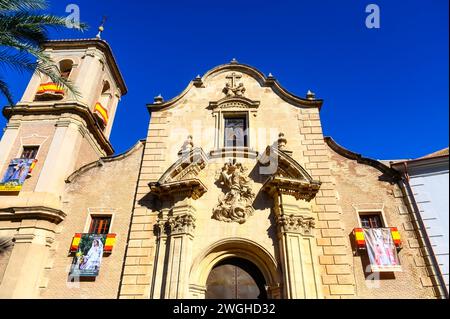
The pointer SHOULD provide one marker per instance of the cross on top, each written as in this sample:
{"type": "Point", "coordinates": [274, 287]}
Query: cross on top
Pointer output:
{"type": "Point", "coordinates": [233, 77]}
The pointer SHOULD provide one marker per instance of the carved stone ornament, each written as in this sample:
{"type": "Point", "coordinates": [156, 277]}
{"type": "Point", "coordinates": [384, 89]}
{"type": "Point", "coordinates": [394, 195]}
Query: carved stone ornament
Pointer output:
{"type": "Point", "coordinates": [182, 224]}
{"type": "Point", "coordinates": [236, 204]}
{"type": "Point", "coordinates": [232, 88]}
{"type": "Point", "coordinates": [296, 224]}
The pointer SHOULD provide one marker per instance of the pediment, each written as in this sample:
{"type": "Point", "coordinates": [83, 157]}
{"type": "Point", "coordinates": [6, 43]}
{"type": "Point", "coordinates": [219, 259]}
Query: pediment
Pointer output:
{"type": "Point", "coordinates": [186, 167]}
{"type": "Point", "coordinates": [183, 176]}
{"type": "Point", "coordinates": [286, 175]}
{"type": "Point", "coordinates": [234, 103]}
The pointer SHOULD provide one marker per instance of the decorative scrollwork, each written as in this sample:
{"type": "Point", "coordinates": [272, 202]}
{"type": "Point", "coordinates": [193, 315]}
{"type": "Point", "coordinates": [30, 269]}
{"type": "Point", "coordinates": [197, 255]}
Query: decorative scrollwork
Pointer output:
{"type": "Point", "coordinates": [236, 204]}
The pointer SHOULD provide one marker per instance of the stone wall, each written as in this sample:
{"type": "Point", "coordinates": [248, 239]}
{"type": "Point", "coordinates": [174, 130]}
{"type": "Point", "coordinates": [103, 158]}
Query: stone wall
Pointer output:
{"type": "Point", "coordinates": [108, 187]}
{"type": "Point", "coordinates": [360, 187]}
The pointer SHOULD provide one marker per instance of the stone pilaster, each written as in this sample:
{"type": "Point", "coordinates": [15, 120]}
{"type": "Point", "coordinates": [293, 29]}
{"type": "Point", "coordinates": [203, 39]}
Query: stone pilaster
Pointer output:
{"type": "Point", "coordinates": [295, 229]}
{"type": "Point", "coordinates": [179, 256]}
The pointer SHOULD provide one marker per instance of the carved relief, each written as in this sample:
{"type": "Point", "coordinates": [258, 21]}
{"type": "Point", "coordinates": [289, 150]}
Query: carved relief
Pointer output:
{"type": "Point", "coordinates": [296, 224]}
{"type": "Point", "coordinates": [232, 88]}
{"type": "Point", "coordinates": [182, 224]}
{"type": "Point", "coordinates": [236, 204]}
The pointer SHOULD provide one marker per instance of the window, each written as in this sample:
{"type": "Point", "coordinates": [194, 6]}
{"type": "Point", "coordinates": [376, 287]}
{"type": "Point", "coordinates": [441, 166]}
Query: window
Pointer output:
{"type": "Point", "coordinates": [100, 225]}
{"type": "Point", "coordinates": [29, 152]}
{"type": "Point", "coordinates": [235, 132]}
{"type": "Point", "coordinates": [371, 221]}
{"type": "Point", "coordinates": [65, 68]}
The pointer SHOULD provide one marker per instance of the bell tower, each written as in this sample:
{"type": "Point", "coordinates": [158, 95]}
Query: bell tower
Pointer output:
{"type": "Point", "coordinates": [50, 133]}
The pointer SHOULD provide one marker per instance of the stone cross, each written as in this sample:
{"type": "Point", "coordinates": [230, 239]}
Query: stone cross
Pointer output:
{"type": "Point", "coordinates": [233, 79]}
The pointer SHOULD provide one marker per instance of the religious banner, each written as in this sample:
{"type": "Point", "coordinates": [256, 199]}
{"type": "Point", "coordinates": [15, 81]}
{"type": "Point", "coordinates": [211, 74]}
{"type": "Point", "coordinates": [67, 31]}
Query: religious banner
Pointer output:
{"type": "Point", "coordinates": [381, 250]}
{"type": "Point", "coordinates": [88, 258]}
{"type": "Point", "coordinates": [18, 170]}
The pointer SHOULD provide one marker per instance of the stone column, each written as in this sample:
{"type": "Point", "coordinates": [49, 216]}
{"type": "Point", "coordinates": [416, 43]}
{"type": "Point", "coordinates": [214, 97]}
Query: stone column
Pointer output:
{"type": "Point", "coordinates": [182, 226]}
{"type": "Point", "coordinates": [297, 248]}
{"type": "Point", "coordinates": [162, 229]}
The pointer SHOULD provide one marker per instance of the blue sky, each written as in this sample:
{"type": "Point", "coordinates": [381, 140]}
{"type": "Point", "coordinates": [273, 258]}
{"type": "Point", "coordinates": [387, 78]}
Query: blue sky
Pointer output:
{"type": "Point", "coordinates": [385, 90]}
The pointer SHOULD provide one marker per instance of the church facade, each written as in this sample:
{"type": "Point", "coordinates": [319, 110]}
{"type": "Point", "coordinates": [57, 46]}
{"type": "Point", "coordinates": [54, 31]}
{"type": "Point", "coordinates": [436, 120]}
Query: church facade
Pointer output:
{"type": "Point", "coordinates": [234, 193]}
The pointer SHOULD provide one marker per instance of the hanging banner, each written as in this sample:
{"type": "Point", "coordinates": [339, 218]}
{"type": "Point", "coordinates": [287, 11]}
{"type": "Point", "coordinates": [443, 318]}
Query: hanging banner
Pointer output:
{"type": "Point", "coordinates": [16, 174]}
{"type": "Point", "coordinates": [381, 250]}
{"type": "Point", "coordinates": [88, 258]}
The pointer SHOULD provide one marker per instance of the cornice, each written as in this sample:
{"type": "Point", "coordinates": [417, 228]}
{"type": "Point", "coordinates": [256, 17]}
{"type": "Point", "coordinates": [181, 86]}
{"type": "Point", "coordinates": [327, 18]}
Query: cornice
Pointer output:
{"type": "Point", "coordinates": [192, 187]}
{"type": "Point", "coordinates": [391, 174]}
{"type": "Point", "coordinates": [264, 81]}
{"type": "Point", "coordinates": [104, 160]}
{"type": "Point", "coordinates": [34, 212]}
{"type": "Point", "coordinates": [97, 43]}
{"type": "Point", "coordinates": [60, 108]}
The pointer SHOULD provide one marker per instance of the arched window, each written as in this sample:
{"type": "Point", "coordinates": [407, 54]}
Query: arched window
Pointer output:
{"type": "Point", "coordinates": [65, 68]}
{"type": "Point", "coordinates": [48, 90]}
{"type": "Point", "coordinates": [102, 107]}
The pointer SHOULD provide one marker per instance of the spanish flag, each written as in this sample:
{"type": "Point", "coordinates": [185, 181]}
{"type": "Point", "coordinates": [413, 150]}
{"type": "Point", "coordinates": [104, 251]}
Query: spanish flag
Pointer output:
{"type": "Point", "coordinates": [102, 111]}
{"type": "Point", "coordinates": [359, 238]}
{"type": "Point", "coordinates": [50, 87]}
{"type": "Point", "coordinates": [396, 237]}
{"type": "Point", "coordinates": [75, 243]}
{"type": "Point", "coordinates": [109, 243]}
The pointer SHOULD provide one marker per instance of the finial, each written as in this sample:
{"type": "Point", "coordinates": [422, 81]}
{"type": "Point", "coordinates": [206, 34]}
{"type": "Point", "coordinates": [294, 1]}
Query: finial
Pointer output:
{"type": "Point", "coordinates": [270, 75]}
{"type": "Point", "coordinates": [187, 147]}
{"type": "Point", "coordinates": [234, 61]}
{"type": "Point", "coordinates": [282, 141]}
{"type": "Point", "coordinates": [101, 28]}
{"type": "Point", "coordinates": [198, 82]}
{"type": "Point", "coordinates": [158, 99]}
{"type": "Point", "coordinates": [310, 95]}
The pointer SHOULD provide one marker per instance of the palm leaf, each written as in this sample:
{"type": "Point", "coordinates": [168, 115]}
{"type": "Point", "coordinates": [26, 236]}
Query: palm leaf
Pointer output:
{"type": "Point", "coordinates": [26, 32]}
{"type": "Point", "coordinates": [6, 93]}
{"type": "Point", "coordinates": [22, 5]}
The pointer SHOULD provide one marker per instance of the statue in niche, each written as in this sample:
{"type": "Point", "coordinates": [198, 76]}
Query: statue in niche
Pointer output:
{"type": "Point", "coordinates": [236, 204]}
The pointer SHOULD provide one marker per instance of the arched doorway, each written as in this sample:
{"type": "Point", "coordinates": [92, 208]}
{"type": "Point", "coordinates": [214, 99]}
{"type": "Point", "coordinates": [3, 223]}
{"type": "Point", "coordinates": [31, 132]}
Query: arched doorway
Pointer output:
{"type": "Point", "coordinates": [235, 278]}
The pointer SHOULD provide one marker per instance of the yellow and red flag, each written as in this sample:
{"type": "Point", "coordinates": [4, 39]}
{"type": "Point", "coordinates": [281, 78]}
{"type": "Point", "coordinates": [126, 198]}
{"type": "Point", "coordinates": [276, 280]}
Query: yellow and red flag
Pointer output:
{"type": "Point", "coordinates": [109, 243]}
{"type": "Point", "coordinates": [75, 243]}
{"type": "Point", "coordinates": [102, 111]}
{"type": "Point", "coordinates": [50, 87]}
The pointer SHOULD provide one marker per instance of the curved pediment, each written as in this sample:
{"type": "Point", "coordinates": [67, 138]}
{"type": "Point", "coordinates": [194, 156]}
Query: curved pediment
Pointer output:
{"type": "Point", "coordinates": [286, 175]}
{"type": "Point", "coordinates": [234, 66]}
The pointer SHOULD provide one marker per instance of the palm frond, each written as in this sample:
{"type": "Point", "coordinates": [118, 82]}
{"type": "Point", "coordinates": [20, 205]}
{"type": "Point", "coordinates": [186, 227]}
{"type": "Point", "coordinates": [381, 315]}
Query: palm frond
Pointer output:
{"type": "Point", "coordinates": [22, 5]}
{"type": "Point", "coordinates": [19, 61]}
{"type": "Point", "coordinates": [52, 72]}
{"type": "Point", "coordinates": [4, 90]}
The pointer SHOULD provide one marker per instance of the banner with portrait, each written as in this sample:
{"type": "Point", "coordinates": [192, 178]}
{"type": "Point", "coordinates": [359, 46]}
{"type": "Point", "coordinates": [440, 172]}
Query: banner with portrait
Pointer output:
{"type": "Point", "coordinates": [88, 258]}
{"type": "Point", "coordinates": [381, 250]}
{"type": "Point", "coordinates": [16, 174]}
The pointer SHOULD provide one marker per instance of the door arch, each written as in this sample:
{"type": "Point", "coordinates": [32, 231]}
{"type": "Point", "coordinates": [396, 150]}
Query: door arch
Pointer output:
{"type": "Point", "coordinates": [222, 252]}
{"type": "Point", "coordinates": [235, 278]}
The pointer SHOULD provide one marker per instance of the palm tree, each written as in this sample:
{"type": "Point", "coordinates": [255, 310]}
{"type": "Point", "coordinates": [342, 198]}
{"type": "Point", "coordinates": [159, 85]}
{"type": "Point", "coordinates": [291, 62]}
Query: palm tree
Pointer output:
{"type": "Point", "coordinates": [22, 32]}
